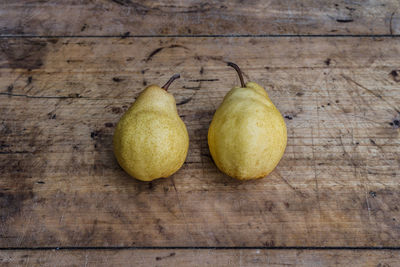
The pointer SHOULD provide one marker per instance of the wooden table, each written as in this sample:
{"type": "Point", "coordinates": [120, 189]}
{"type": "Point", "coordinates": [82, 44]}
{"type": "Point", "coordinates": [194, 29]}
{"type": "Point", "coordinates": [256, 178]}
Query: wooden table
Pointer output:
{"type": "Point", "coordinates": [70, 68]}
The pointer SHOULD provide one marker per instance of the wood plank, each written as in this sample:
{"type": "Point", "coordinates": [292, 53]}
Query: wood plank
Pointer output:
{"type": "Point", "coordinates": [172, 17]}
{"type": "Point", "coordinates": [337, 184]}
{"type": "Point", "coordinates": [203, 257]}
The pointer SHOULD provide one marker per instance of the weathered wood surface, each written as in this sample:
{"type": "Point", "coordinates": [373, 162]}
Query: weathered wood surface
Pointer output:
{"type": "Point", "coordinates": [203, 257]}
{"type": "Point", "coordinates": [172, 17]}
{"type": "Point", "coordinates": [337, 184]}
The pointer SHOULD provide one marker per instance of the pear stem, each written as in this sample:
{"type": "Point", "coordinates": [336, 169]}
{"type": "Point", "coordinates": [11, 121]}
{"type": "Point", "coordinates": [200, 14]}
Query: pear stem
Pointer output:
{"type": "Point", "coordinates": [173, 78]}
{"type": "Point", "coordinates": [239, 72]}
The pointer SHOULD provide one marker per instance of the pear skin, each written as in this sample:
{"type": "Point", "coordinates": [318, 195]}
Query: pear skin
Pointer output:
{"type": "Point", "coordinates": [247, 136]}
{"type": "Point", "coordinates": [150, 140]}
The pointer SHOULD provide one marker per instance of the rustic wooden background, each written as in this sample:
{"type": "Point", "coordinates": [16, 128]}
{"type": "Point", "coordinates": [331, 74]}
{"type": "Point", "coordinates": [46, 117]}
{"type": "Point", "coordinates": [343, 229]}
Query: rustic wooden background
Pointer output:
{"type": "Point", "coordinates": [69, 69]}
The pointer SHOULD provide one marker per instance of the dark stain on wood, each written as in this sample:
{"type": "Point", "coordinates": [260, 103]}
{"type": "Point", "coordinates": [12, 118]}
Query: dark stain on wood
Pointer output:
{"type": "Point", "coordinates": [395, 123]}
{"type": "Point", "coordinates": [351, 9]}
{"type": "Point", "coordinates": [74, 61]}
{"type": "Point", "coordinates": [327, 61]}
{"type": "Point", "coordinates": [288, 117]}
{"type": "Point", "coordinates": [10, 88]}
{"type": "Point", "coordinates": [270, 243]}
{"type": "Point", "coordinates": [160, 228]}
{"type": "Point", "coordinates": [116, 110]}
{"type": "Point", "coordinates": [11, 203]}
{"type": "Point", "coordinates": [269, 205]}
{"type": "Point", "coordinates": [52, 116]}
{"type": "Point", "coordinates": [94, 134]}
{"type": "Point", "coordinates": [122, 2]}
{"type": "Point", "coordinates": [109, 124]}
{"type": "Point", "coordinates": [395, 75]}
{"type": "Point", "coordinates": [204, 80]}
{"type": "Point", "coordinates": [53, 40]}
{"type": "Point", "coordinates": [172, 254]}
{"type": "Point", "coordinates": [344, 20]}
{"type": "Point", "coordinates": [184, 101]}
{"type": "Point", "coordinates": [158, 50]}
{"type": "Point", "coordinates": [23, 53]}
{"type": "Point", "coordinates": [125, 35]}
{"type": "Point", "coordinates": [83, 27]}
{"type": "Point", "coordinates": [20, 166]}
{"type": "Point", "coordinates": [74, 95]}
{"type": "Point", "coordinates": [153, 53]}
{"type": "Point", "coordinates": [3, 145]}
{"type": "Point", "coordinates": [117, 79]}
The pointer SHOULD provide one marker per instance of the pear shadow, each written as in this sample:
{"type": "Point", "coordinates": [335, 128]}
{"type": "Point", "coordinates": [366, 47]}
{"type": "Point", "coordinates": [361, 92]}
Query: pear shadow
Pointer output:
{"type": "Point", "coordinates": [227, 181]}
{"type": "Point", "coordinates": [131, 185]}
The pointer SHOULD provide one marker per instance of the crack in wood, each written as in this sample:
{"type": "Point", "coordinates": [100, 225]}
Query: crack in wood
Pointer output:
{"type": "Point", "coordinates": [72, 96]}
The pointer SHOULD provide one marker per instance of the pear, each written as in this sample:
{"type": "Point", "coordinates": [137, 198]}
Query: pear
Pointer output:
{"type": "Point", "coordinates": [247, 136]}
{"type": "Point", "coordinates": [151, 140]}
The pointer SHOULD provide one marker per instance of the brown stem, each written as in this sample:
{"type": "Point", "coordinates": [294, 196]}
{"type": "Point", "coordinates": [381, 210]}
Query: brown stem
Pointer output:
{"type": "Point", "coordinates": [173, 78]}
{"type": "Point", "coordinates": [236, 67]}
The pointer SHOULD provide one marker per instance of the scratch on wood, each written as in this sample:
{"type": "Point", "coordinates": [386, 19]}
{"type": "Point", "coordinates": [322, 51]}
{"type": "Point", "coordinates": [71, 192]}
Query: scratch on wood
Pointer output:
{"type": "Point", "coordinates": [368, 206]}
{"type": "Point", "coordinates": [315, 167]}
{"type": "Point", "coordinates": [290, 185]}
{"type": "Point", "coordinates": [181, 209]}
{"type": "Point", "coordinates": [86, 259]}
{"type": "Point", "coordinates": [349, 80]}
{"type": "Point", "coordinates": [139, 8]}
{"type": "Point", "coordinates": [350, 158]}
{"type": "Point", "coordinates": [390, 24]}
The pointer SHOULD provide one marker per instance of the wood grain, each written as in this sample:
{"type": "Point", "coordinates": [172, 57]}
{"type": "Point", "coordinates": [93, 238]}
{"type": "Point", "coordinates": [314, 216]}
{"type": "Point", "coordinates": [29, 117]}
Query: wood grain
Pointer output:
{"type": "Point", "coordinates": [337, 184]}
{"type": "Point", "coordinates": [206, 257]}
{"type": "Point", "coordinates": [172, 17]}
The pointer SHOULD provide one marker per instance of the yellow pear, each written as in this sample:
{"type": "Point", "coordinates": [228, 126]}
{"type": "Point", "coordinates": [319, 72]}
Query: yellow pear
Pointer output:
{"type": "Point", "coordinates": [151, 140]}
{"type": "Point", "coordinates": [247, 136]}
